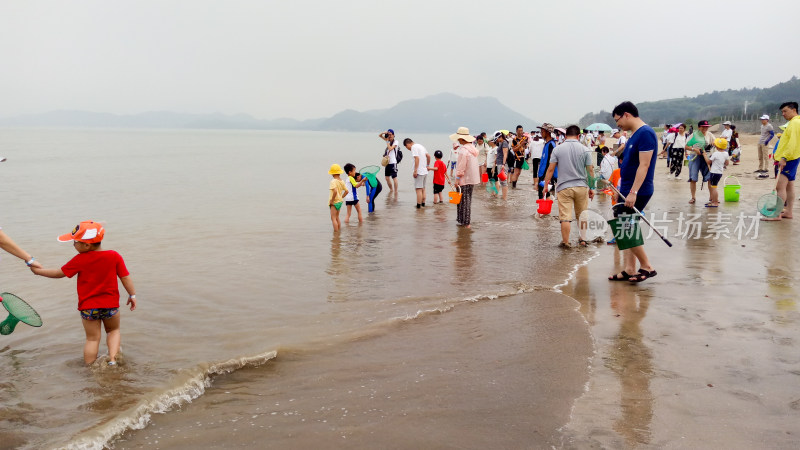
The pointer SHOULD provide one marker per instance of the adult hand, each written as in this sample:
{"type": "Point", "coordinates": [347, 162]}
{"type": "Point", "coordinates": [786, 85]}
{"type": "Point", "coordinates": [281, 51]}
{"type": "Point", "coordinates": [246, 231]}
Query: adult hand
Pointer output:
{"type": "Point", "coordinates": [591, 194]}
{"type": "Point", "coordinates": [630, 200]}
{"type": "Point", "coordinates": [36, 264]}
{"type": "Point", "coordinates": [415, 174]}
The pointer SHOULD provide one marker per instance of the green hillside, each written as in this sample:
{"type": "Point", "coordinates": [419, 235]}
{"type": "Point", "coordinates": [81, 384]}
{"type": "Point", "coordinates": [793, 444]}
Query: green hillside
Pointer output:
{"type": "Point", "coordinates": [712, 106]}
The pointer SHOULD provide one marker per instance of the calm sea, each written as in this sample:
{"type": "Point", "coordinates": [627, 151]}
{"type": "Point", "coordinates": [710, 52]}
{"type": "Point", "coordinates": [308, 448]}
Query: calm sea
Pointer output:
{"type": "Point", "coordinates": [228, 240]}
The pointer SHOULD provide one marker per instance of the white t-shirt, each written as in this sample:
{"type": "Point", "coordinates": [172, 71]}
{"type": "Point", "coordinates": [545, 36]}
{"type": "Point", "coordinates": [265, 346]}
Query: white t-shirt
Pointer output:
{"type": "Point", "coordinates": [393, 153]}
{"type": "Point", "coordinates": [491, 156]}
{"type": "Point", "coordinates": [718, 159]}
{"type": "Point", "coordinates": [536, 149]}
{"type": "Point", "coordinates": [679, 141]}
{"type": "Point", "coordinates": [419, 151]}
{"type": "Point", "coordinates": [607, 166]}
{"type": "Point", "coordinates": [622, 140]}
{"type": "Point", "coordinates": [726, 134]}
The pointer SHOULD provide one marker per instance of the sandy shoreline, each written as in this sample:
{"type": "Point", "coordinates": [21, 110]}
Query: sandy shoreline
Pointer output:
{"type": "Point", "coordinates": [702, 356]}
{"type": "Point", "coordinates": [705, 355]}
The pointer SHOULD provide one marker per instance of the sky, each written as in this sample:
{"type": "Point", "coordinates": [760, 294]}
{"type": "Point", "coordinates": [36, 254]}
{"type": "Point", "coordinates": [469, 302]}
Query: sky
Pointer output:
{"type": "Point", "coordinates": [552, 61]}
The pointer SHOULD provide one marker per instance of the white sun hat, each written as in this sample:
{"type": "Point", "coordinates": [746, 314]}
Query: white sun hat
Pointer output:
{"type": "Point", "coordinates": [462, 133]}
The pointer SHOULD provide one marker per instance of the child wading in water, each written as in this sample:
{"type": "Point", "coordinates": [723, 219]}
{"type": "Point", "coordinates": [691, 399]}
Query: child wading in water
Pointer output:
{"type": "Point", "coordinates": [717, 162]}
{"type": "Point", "coordinates": [98, 293]}
{"type": "Point", "coordinates": [356, 181]}
{"type": "Point", "coordinates": [439, 173]}
{"type": "Point", "coordinates": [335, 197]}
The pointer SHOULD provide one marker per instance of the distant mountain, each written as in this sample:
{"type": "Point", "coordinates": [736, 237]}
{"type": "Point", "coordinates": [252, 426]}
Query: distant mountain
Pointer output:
{"type": "Point", "coordinates": [436, 113]}
{"type": "Point", "coordinates": [154, 119]}
{"type": "Point", "coordinates": [712, 106]}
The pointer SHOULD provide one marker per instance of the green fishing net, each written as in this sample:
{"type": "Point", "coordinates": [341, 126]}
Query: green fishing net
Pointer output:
{"type": "Point", "coordinates": [18, 311]}
{"type": "Point", "coordinates": [370, 172]}
{"type": "Point", "coordinates": [770, 205]}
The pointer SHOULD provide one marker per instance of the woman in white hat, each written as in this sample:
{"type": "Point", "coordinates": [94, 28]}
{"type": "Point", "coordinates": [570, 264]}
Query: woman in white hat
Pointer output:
{"type": "Point", "coordinates": [467, 173]}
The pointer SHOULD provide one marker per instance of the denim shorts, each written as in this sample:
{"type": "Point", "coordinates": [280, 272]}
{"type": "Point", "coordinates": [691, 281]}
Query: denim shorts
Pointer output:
{"type": "Point", "coordinates": [698, 166]}
{"type": "Point", "coordinates": [98, 313]}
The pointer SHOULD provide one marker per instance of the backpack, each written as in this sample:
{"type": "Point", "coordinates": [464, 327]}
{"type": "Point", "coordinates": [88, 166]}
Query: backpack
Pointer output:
{"type": "Point", "coordinates": [398, 155]}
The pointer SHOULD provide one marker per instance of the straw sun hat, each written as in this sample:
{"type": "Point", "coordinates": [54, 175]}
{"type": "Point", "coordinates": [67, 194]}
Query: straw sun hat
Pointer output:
{"type": "Point", "coordinates": [462, 133]}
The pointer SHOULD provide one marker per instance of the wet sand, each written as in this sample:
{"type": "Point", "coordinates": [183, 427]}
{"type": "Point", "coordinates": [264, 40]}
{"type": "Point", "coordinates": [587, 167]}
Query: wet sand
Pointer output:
{"type": "Point", "coordinates": [704, 355]}
{"type": "Point", "coordinates": [491, 374]}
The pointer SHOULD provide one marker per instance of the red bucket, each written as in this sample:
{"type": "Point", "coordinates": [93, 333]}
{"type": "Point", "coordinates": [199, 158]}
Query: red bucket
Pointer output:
{"type": "Point", "coordinates": [545, 205]}
{"type": "Point", "coordinates": [502, 176]}
{"type": "Point", "coordinates": [484, 177]}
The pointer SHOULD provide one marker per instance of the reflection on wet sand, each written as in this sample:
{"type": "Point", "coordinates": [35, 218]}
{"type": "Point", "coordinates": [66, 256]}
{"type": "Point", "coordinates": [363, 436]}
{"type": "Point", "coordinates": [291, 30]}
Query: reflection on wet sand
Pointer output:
{"type": "Point", "coordinates": [631, 360]}
{"type": "Point", "coordinates": [464, 258]}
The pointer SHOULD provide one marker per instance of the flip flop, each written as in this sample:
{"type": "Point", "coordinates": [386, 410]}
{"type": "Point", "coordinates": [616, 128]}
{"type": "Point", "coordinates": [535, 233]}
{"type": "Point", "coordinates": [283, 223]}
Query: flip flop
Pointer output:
{"type": "Point", "coordinates": [583, 243]}
{"type": "Point", "coordinates": [625, 277]}
{"type": "Point", "coordinates": [642, 275]}
{"type": "Point", "coordinates": [709, 205]}
{"type": "Point", "coordinates": [564, 245]}
{"type": "Point", "coordinates": [692, 201]}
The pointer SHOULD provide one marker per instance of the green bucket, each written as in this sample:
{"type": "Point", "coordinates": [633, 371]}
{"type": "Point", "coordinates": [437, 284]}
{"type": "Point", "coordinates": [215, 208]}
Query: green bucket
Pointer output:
{"type": "Point", "coordinates": [731, 190]}
{"type": "Point", "coordinates": [626, 231]}
{"type": "Point", "coordinates": [525, 165]}
{"type": "Point", "coordinates": [591, 181]}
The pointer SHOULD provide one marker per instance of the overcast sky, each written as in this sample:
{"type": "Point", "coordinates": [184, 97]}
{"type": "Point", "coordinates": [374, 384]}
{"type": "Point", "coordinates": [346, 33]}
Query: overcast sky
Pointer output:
{"type": "Point", "coordinates": [550, 60]}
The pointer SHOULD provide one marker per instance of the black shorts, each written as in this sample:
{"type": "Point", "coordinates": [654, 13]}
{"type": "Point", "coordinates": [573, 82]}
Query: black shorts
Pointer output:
{"type": "Point", "coordinates": [640, 203]}
{"type": "Point", "coordinates": [490, 173]}
{"type": "Point", "coordinates": [391, 170]}
{"type": "Point", "coordinates": [351, 202]}
{"type": "Point", "coordinates": [437, 188]}
{"type": "Point", "coordinates": [713, 179]}
{"type": "Point", "coordinates": [518, 163]}
{"type": "Point", "coordinates": [535, 167]}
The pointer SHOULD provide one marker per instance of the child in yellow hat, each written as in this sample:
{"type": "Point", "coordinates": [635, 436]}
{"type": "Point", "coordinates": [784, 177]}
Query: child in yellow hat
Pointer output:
{"type": "Point", "coordinates": [98, 294]}
{"type": "Point", "coordinates": [717, 162]}
{"type": "Point", "coordinates": [336, 196]}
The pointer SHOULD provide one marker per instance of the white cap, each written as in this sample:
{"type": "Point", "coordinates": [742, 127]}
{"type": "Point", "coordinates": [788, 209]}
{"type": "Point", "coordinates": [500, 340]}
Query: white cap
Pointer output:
{"type": "Point", "coordinates": [727, 122]}
{"type": "Point", "coordinates": [765, 117]}
{"type": "Point", "coordinates": [614, 131]}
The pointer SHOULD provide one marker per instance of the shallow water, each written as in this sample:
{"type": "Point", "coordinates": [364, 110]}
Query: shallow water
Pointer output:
{"type": "Point", "coordinates": [228, 239]}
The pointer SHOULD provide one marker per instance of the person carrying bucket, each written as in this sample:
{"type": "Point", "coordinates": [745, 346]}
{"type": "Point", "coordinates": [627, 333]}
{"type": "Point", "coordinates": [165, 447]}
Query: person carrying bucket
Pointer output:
{"type": "Point", "coordinates": [637, 170]}
{"type": "Point", "coordinates": [572, 191]}
{"type": "Point", "coordinates": [547, 131]}
{"type": "Point", "coordinates": [467, 173]}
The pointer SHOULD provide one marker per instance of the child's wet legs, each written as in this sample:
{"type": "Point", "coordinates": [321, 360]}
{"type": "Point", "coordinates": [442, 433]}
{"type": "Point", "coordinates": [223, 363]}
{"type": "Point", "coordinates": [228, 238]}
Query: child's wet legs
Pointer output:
{"type": "Point", "coordinates": [113, 336]}
{"type": "Point", "coordinates": [92, 345]}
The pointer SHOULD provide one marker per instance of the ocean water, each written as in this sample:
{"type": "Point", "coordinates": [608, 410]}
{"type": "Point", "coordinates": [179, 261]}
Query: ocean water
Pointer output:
{"type": "Point", "coordinates": [243, 285]}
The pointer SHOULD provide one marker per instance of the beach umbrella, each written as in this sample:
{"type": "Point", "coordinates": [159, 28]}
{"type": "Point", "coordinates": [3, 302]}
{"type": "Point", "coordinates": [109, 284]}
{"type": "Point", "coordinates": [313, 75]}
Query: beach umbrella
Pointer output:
{"type": "Point", "coordinates": [598, 127]}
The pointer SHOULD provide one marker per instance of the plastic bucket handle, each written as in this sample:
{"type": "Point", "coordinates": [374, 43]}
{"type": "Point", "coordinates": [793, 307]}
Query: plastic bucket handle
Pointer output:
{"type": "Point", "coordinates": [725, 183]}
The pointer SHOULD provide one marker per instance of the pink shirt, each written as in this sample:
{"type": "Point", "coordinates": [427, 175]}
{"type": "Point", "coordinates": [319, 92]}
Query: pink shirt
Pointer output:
{"type": "Point", "coordinates": [467, 165]}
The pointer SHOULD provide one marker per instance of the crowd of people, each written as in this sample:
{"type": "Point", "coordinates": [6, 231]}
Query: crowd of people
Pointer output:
{"type": "Point", "coordinates": [560, 160]}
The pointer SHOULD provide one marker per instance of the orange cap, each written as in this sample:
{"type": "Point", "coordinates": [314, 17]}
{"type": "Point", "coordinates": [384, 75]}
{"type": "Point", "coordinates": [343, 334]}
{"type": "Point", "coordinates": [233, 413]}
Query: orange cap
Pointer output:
{"type": "Point", "coordinates": [87, 231]}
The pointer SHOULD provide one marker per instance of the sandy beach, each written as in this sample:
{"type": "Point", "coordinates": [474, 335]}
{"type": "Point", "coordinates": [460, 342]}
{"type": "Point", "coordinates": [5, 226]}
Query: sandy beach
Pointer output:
{"type": "Point", "coordinates": [705, 355]}
{"type": "Point", "coordinates": [447, 338]}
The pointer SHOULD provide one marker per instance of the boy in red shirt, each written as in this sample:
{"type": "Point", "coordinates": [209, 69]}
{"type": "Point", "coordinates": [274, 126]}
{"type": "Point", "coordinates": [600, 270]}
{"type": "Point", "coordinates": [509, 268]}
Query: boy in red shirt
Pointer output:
{"type": "Point", "coordinates": [439, 172]}
{"type": "Point", "coordinates": [98, 294]}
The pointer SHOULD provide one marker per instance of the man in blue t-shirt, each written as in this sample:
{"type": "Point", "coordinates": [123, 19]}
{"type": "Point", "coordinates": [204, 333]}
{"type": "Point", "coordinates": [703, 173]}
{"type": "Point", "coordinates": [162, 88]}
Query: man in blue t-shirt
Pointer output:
{"type": "Point", "coordinates": [547, 131]}
{"type": "Point", "coordinates": [636, 182]}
